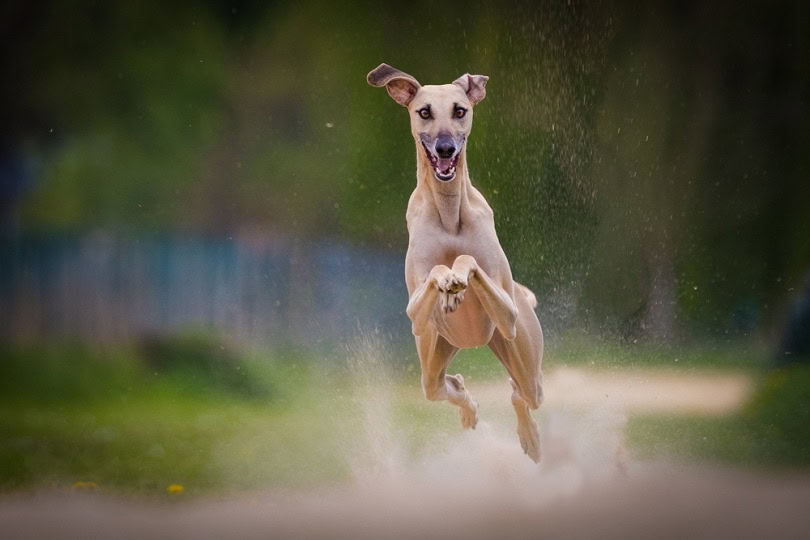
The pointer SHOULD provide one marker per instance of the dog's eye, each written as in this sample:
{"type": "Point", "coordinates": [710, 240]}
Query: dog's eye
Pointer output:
{"type": "Point", "coordinates": [460, 112]}
{"type": "Point", "coordinates": [424, 113]}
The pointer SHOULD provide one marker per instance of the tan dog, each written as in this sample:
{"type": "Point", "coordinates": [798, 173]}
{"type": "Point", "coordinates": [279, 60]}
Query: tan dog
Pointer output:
{"type": "Point", "coordinates": [459, 281]}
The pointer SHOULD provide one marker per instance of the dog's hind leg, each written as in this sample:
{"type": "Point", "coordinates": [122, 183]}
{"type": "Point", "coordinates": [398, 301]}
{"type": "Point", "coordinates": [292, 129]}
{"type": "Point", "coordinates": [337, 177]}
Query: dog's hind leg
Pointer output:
{"type": "Point", "coordinates": [522, 359]}
{"type": "Point", "coordinates": [527, 428]}
{"type": "Point", "coordinates": [527, 292]}
{"type": "Point", "coordinates": [435, 355]}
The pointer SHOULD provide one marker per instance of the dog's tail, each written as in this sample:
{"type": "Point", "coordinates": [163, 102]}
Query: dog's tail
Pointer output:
{"type": "Point", "coordinates": [527, 293]}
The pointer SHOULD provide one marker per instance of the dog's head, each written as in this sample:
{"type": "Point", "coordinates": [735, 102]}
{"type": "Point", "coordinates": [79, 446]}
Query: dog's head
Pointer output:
{"type": "Point", "coordinates": [441, 115]}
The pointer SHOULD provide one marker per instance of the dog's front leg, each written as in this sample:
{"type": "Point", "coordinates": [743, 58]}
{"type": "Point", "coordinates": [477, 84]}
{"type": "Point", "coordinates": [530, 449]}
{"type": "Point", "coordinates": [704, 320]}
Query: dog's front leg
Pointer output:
{"type": "Point", "coordinates": [422, 302]}
{"type": "Point", "coordinates": [498, 304]}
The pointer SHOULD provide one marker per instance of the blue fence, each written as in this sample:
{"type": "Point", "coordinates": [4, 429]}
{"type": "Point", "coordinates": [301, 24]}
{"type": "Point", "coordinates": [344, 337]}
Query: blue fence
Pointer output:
{"type": "Point", "coordinates": [252, 288]}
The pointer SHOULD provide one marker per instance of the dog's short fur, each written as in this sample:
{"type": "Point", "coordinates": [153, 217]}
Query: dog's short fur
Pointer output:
{"type": "Point", "coordinates": [461, 290]}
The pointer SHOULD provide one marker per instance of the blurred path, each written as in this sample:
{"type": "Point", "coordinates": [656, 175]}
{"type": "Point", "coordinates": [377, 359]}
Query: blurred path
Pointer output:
{"type": "Point", "coordinates": [667, 503]}
{"type": "Point", "coordinates": [633, 390]}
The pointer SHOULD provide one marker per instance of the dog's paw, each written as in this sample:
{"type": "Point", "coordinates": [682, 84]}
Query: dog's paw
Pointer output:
{"type": "Point", "coordinates": [451, 286]}
{"type": "Point", "coordinates": [450, 302]}
{"type": "Point", "coordinates": [469, 415]}
{"type": "Point", "coordinates": [452, 283]}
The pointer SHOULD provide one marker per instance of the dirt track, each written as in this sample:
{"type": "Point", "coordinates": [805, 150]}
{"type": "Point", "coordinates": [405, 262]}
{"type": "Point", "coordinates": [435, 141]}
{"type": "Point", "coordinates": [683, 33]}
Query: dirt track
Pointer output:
{"type": "Point", "coordinates": [636, 391]}
{"type": "Point", "coordinates": [666, 503]}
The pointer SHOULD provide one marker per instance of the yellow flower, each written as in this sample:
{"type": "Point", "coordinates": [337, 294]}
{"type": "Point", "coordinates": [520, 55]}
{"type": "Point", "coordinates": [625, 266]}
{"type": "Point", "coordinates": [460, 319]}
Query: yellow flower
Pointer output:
{"type": "Point", "coordinates": [174, 489]}
{"type": "Point", "coordinates": [84, 485]}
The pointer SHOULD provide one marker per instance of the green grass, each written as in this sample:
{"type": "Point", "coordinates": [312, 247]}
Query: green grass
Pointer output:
{"type": "Point", "coordinates": [732, 440]}
{"type": "Point", "coordinates": [143, 443]}
{"type": "Point", "coordinates": [143, 446]}
{"type": "Point", "coordinates": [137, 419]}
{"type": "Point", "coordinates": [133, 422]}
{"type": "Point", "coordinates": [772, 430]}
{"type": "Point", "coordinates": [689, 438]}
{"type": "Point", "coordinates": [578, 349]}
{"type": "Point", "coordinates": [195, 412]}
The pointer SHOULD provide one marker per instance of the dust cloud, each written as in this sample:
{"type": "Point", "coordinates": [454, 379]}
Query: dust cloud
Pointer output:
{"type": "Point", "coordinates": [579, 447]}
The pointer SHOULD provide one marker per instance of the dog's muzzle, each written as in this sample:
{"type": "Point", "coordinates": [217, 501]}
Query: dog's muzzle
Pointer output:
{"type": "Point", "coordinates": [443, 154]}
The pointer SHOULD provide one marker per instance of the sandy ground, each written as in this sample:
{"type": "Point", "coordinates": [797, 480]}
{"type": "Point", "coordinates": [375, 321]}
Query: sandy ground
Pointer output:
{"type": "Point", "coordinates": [635, 391]}
{"type": "Point", "coordinates": [478, 484]}
{"type": "Point", "coordinates": [675, 503]}
{"type": "Point", "coordinates": [667, 502]}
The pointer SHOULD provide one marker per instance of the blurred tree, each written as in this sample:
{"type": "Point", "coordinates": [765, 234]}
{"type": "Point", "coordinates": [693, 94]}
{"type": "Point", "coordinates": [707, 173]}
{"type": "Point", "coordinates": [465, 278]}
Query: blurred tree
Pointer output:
{"type": "Point", "coordinates": [646, 164]}
{"type": "Point", "coordinates": [700, 142]}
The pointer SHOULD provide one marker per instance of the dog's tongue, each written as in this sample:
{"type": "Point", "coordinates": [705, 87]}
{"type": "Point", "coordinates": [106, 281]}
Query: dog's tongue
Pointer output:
{"type": "Point", "coordinates": [445, 164]}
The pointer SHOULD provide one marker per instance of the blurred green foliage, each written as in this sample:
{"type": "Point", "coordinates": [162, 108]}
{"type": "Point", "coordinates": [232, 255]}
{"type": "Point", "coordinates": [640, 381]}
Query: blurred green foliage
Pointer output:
{"type": "Point", "coordinates": [199, 362]}
{"type": "Point", "coordinates": [191, 364]}
{"type": "Point", "coordinates": [646, 164]}
{"type": "Point", "coordinates": [56, 373]}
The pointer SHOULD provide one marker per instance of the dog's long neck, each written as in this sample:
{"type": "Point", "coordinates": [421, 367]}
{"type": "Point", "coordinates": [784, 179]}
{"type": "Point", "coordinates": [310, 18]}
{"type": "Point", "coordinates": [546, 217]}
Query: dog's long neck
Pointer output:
{"type": "Point", "coordinates": [450, 199]}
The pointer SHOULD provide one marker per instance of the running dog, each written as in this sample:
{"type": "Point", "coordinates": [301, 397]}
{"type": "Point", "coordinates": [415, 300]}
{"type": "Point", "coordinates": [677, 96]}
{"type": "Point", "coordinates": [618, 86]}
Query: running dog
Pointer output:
{"type": "Point", "coordinates": [460, 287]}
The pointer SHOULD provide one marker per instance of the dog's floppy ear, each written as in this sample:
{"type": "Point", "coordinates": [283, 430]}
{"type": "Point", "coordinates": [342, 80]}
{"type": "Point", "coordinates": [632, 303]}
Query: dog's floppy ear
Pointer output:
{"type": "Point", "coordinates": [401, 86]}
{"type": "Point", "coordinates": [475, 86]}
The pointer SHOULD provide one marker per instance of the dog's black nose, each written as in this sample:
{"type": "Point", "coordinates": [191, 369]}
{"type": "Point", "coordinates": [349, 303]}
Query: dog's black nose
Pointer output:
{"type": "Point", "coordinates": [445, 148]}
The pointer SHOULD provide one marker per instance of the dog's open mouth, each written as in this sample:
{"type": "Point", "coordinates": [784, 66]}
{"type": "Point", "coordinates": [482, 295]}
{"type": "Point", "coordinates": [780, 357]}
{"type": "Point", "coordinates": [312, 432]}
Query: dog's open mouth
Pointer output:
{"type": "Point", "coordinates": [443, 168]}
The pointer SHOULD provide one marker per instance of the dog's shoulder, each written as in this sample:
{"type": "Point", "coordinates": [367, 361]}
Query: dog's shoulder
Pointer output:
{"type": "Point", "coordinates": [480, 204]}
{"type": "Point", "coordinates": [419, 208]}
{"type": "Point", "coordinates": [415, 207]}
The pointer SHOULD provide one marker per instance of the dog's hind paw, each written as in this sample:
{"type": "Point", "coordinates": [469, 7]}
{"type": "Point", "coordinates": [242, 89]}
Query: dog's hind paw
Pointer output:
{"type": "Point", "coordinates": [467, 408]}
{"type": "Point", "coordinates": [469, 415]}
{"type": "Point", "coordinates": [529, 439]}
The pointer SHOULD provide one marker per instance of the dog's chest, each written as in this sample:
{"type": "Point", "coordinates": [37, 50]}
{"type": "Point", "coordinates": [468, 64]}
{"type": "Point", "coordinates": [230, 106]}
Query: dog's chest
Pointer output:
{"type": "Point", "coordinates": [480, 242]}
